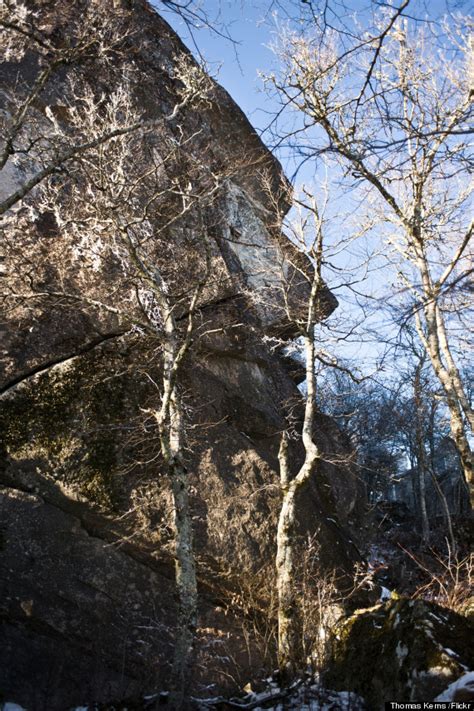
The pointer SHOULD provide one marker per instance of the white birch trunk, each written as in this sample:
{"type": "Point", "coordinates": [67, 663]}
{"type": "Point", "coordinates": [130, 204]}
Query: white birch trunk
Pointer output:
{"type": "Point", "coordinates": [436, 343]}
{"type": "Point", "coordinates": [287, 603]}
{"type": "Point", "coordinates": [289, 646]}
{"type": "Point", "coordinates": [186, 585]}
{"type": "Point", "coordinates": [172, 439]}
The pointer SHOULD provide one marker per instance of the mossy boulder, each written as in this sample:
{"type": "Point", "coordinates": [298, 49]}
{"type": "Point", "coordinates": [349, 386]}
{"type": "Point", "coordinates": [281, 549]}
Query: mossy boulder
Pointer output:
{"type": "Point", "coordinates": [403, 650]}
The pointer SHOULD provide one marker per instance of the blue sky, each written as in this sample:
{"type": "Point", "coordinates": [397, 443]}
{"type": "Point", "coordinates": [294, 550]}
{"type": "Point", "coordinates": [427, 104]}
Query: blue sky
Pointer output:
{"type": "Point", "coordinates": [236, 65]}
{"type": "Point", "coordinates": [252, 24]}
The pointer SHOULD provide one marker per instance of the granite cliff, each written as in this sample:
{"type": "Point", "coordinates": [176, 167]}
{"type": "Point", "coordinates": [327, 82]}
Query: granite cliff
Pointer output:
{"type": "Point", "coordinates": [87, 592]}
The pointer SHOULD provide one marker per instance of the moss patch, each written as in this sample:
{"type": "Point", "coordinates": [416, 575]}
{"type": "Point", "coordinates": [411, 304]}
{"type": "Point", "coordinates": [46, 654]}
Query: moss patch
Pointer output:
{"type": "Point", "coordinates": [67, 418]}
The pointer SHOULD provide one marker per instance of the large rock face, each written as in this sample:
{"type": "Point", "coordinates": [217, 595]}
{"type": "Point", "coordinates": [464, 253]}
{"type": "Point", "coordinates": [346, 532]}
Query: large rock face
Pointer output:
{"type": "Point", "coordinates": [87, 595]}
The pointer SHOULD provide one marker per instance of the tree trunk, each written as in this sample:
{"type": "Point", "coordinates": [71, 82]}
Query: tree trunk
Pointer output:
{"type": "Point", "coordinates": [454, 396]}
{"type": "Point", "coordinates": [186, 584]}
{"type": "Point", "coordinates": [421, 487]}
{"type": "Point", "coordinates": [452, 369]}
{"type": "Point", "coordinates": [462, 445]}
{"type": "Point", "coordinates": [446, 511]}
{"type": "Point", "coordinates": [289, 647]}
{"type": "Point", "coordinates": [288, 622]}
{"type": "Point", "coordinates": [436, 484]}
{"type": "Point", "coordinates": [172, 439]}
{"type": "Point", "coordinates": [421, 454]}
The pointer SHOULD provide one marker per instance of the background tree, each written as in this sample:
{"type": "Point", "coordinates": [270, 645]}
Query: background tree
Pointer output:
{"type": "Point", "coordinates": [366, 411]}
{"type": "Point", "coordinates": [400, 431]}
{"type": "Point", "coordinates": [390, 105]}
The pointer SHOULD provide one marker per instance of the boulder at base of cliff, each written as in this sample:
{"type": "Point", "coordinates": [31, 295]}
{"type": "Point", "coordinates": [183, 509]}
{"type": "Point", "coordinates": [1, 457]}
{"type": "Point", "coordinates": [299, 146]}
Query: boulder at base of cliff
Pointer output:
{"type": "Point", "coordinates": [403, 650]}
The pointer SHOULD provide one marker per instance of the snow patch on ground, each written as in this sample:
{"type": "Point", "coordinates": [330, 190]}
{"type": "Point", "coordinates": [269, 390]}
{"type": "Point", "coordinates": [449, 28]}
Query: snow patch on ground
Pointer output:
{"type": "Point", "coordinates": [465, 682]}
{"type": "Point", "coordinates": [301, 697]}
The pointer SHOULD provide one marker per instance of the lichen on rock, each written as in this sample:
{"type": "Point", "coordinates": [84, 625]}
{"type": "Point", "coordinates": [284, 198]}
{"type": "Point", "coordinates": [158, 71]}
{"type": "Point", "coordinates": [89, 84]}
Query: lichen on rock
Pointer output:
{"type": "Point", "coordinates": [404, 649]}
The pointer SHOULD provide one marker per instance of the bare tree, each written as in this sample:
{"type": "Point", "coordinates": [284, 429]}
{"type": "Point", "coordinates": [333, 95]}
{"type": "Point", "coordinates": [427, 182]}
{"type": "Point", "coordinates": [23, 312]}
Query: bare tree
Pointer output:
{"type": "Point", "coordinates": [425, 466]}
{"type": "Point", "coordinates": [306, 301]}
{"type": "Point", "coordinates": [390, 104]}
{"type": "Point", "coordinates": [288, 642]}
{"type": "Point", "coordinates": [119, 210]}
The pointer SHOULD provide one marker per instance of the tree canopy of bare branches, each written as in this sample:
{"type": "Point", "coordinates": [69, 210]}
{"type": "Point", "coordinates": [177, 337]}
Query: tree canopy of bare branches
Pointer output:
{"type": "Point", "coordinates": [387, 102]}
